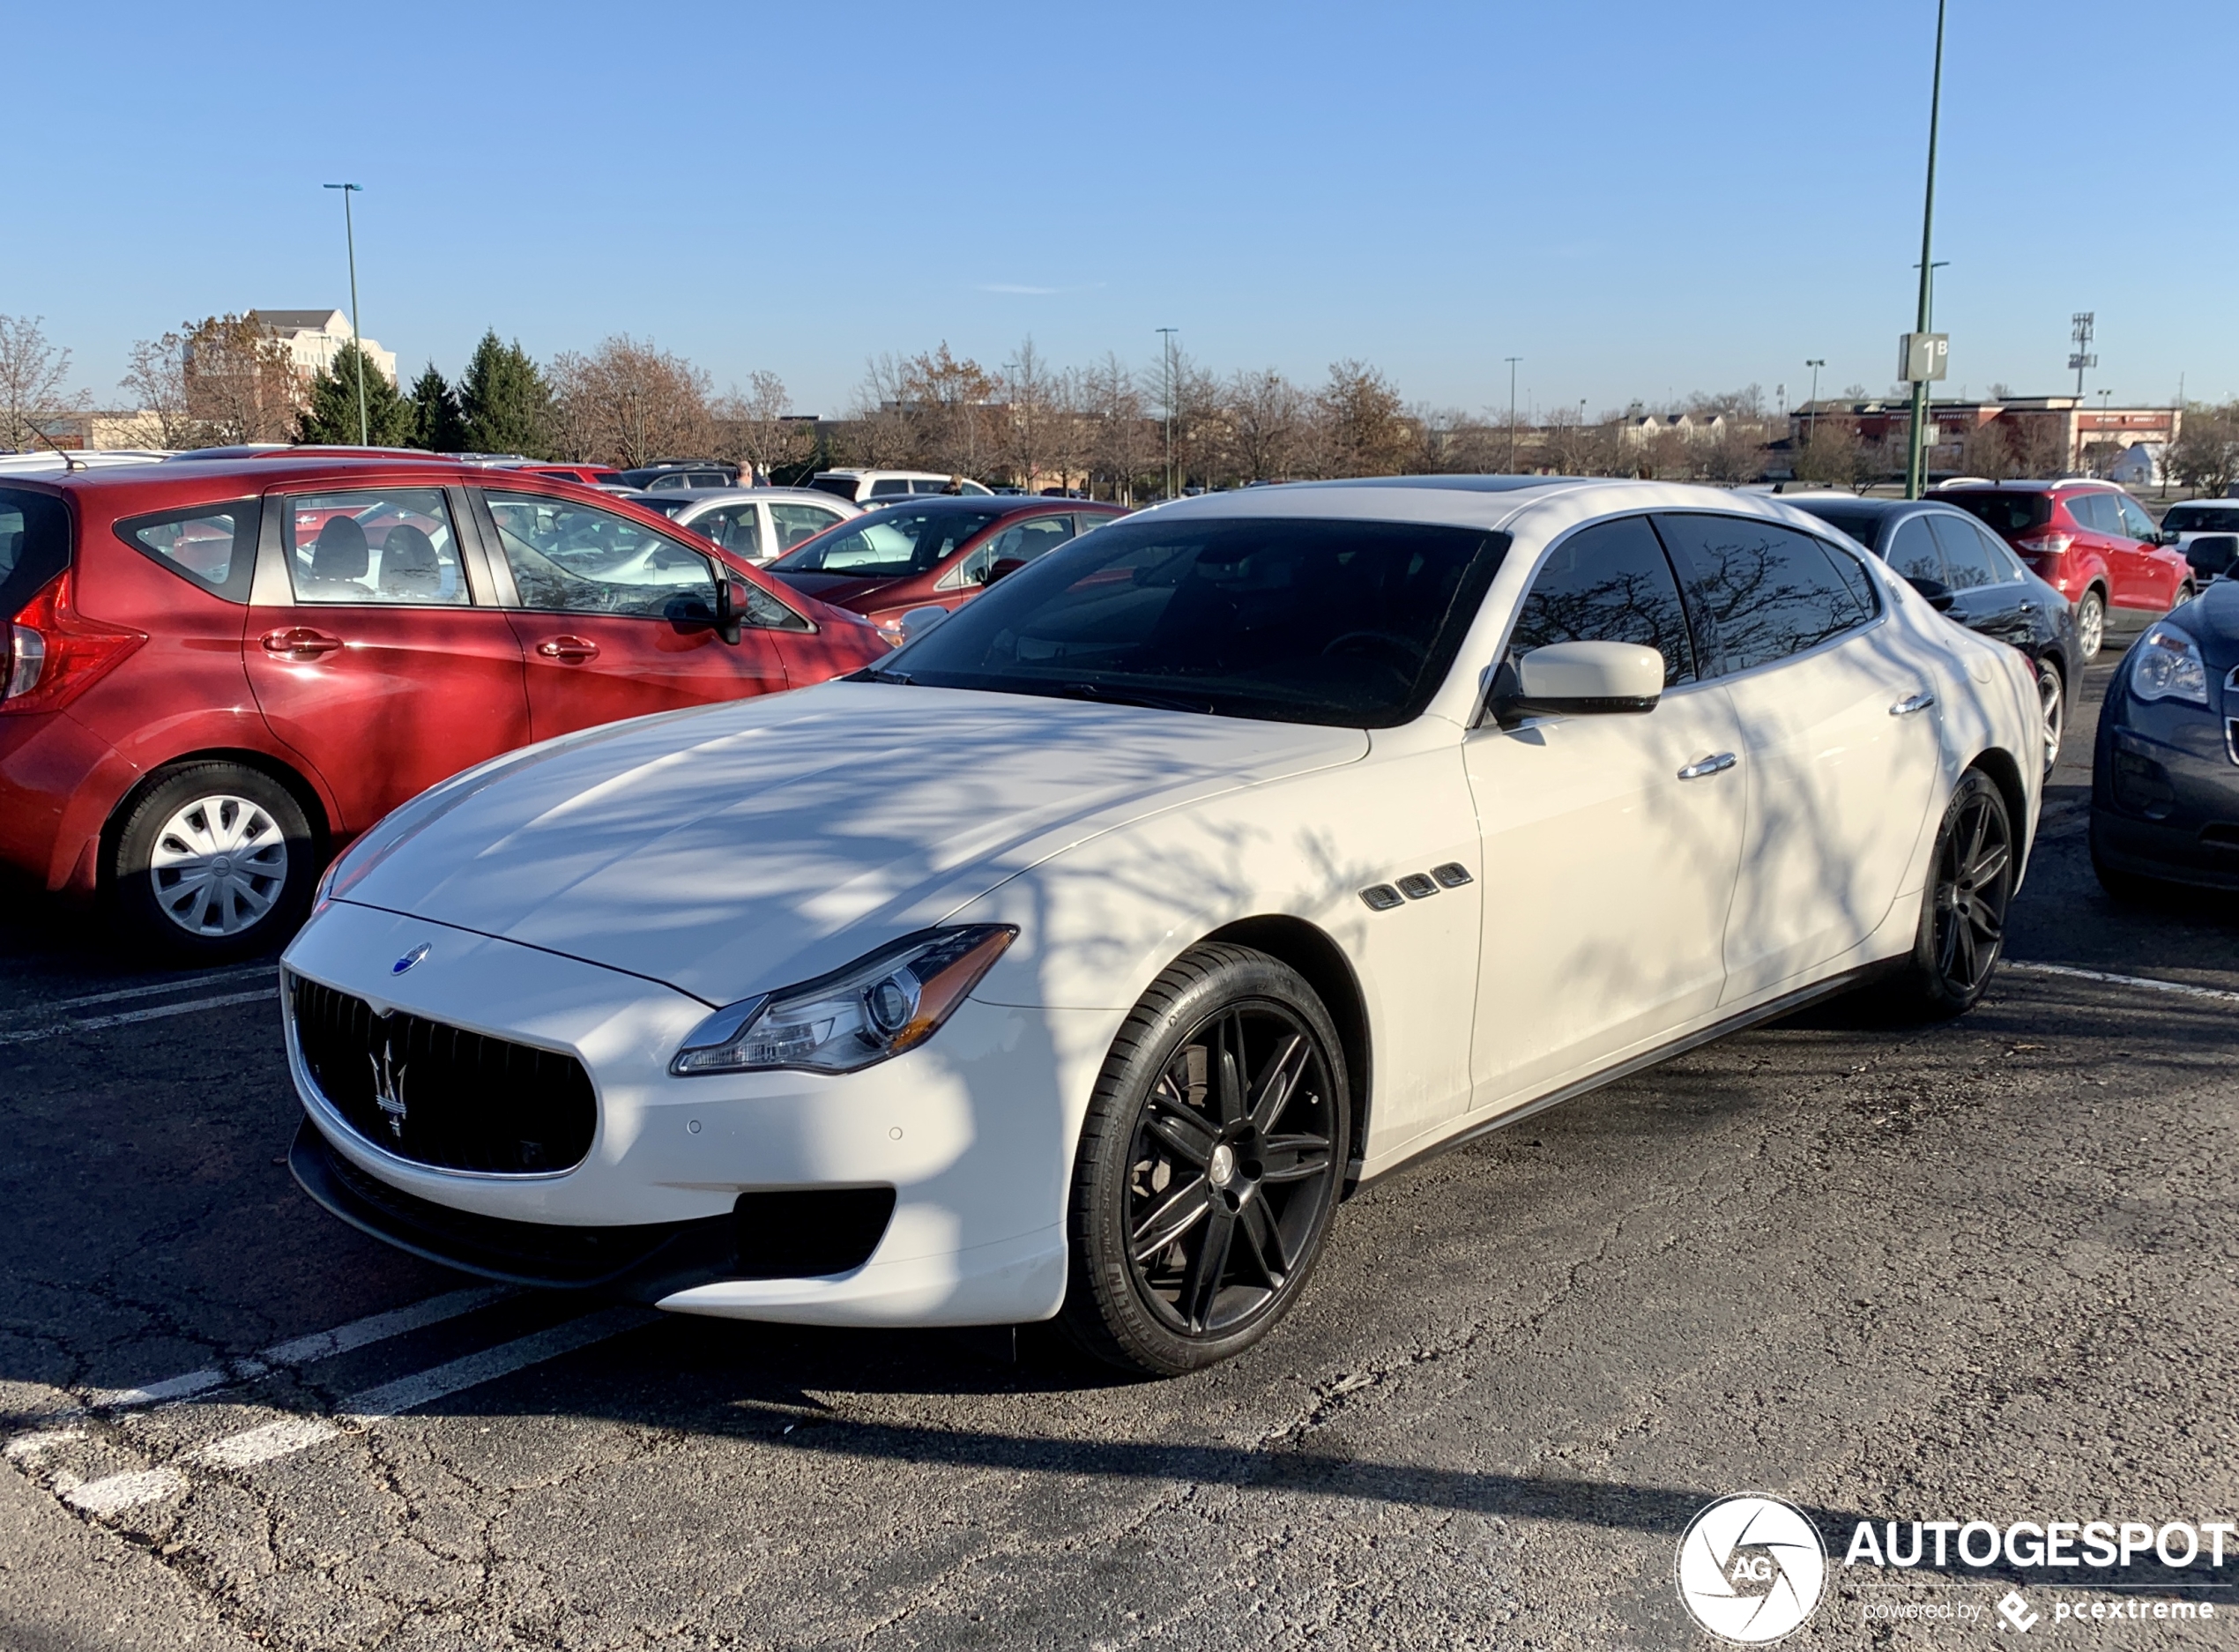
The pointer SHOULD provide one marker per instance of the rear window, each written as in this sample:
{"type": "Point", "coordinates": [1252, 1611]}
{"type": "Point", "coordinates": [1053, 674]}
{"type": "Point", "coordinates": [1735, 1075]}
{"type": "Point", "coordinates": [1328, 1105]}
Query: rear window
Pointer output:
{"type": "Point", "coordinates": [35, 544]}
{"type": "Point", "coordinates": [839, 487]}
{"type": "Point", "coordinates": [1858, 524]}
{"type": "Point", "coordinates": [2005, 513]}
{"type": "Point", "coordinates": [212, 545]}
{"type": "Point", "coordinates": [2202, 518]}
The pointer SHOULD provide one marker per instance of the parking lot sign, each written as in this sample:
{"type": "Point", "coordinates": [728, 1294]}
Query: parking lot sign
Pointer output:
{"type": "Point", "coordinates": [1922, 356]}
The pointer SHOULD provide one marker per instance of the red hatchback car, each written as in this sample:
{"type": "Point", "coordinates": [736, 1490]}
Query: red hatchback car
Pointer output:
{"type": "Point", "coordinates": [931, 552]}
{"type": "Point", "coordinates": [2091, 542]}
{"type": "Point", "coordinates": [216, 672]}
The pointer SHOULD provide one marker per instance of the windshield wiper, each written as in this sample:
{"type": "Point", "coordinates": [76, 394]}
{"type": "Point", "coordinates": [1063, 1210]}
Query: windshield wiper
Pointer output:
{"type": "Point", "coordinates": [1125, 696]}
{"type": "Point", "coordinates": [879, 674]}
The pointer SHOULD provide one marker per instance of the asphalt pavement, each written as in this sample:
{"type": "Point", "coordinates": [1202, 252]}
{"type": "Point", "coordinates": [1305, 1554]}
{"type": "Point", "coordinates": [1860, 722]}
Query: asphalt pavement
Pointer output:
{"type": "Point", "coordinates": [1888, 1272]}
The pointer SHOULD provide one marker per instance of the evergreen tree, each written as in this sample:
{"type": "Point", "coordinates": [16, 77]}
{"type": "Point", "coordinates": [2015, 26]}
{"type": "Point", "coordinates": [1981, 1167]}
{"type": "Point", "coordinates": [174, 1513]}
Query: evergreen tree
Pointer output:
{"type": "Point", "coordinates": [505, 402]}
{"type": "Point", "coordinates": [331, 416]}
{"type": "Point", "coordinates": [435, 421]}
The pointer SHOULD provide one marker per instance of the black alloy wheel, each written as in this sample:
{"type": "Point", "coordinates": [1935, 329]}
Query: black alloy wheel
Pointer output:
{"type": "Point", "coordinates": [1210, 1165]}
{"type": "Point", "coordinates": [1962, 925]}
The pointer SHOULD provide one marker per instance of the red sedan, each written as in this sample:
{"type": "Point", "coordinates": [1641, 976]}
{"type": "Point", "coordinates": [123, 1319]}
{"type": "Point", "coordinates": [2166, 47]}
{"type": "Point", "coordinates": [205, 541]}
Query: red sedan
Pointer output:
{"type": "Point", "coordinates": [219, 672]}
{"type": "Point", "coordinates": [932, 552]}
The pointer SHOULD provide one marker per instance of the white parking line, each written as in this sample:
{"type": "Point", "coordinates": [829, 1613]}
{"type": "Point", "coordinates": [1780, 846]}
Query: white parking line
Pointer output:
{"type": "Point", "coordinates": [92, 1022]}
{"type": "Point", "coordinates": [2183, 989]}
{"type": "Point", "coordinates": [183, 983]}
{"type": "Point", "coordinates": [303, 1350]}
{"type": "Point", "coordinates": [287, 1435]}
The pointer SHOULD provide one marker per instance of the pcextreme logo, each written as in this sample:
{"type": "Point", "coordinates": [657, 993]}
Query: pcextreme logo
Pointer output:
{"type": "Point", "coordinates": [1750, 1568]}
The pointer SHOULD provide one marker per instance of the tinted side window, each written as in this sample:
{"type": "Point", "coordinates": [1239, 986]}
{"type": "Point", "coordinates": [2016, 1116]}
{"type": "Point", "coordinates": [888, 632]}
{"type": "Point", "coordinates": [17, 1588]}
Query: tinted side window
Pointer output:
{"type": "Point", "coordinates": [1610, 582]}
{"type": "Point", "coordinates": [1913, 553]}
{"type": "Point", "coordinates": [1771, 591]}
{"type": "Point", "coordinates": [2136, 522]}
{"type": "Point", "coordinates": [2095, 511]}
{"type": "Point", "coordinates": [1965, 554]}
{"type": "Point", "coordinates": [796, 523]}
{"type": "Point", "coordinates": [214, 545]}
{"type": "Point", "coordinates": [35, 544]}
{"type": "Point", "coordinates": [736, 528]}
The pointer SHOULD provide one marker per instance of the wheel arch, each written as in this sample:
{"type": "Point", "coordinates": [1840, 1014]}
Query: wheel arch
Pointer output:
{"type": "Point", "coordinates": [2005, 773]}
{"type": "Point", "coordinates": [298, 785]}
{"type": "Point", "coordinates": [1323, 961]}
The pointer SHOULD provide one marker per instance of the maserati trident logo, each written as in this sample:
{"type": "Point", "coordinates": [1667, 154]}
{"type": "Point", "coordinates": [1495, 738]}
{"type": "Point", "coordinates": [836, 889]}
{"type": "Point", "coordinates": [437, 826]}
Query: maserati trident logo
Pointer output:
{"type": "Point", "coordinates": [389, 1087]}
{"type": "Point", "coordinates": [409, 959]}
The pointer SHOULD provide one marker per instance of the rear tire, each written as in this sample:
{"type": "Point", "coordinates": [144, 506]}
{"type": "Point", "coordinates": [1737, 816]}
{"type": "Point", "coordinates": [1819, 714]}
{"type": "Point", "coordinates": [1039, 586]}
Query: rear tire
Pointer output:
{"type": "Point", "coordinates": [2091, 623]}
{"type": "Point", "coordinates": [1962, 916]}
{"type": "Point", "coordinates": [1210, 1165]}
{"type": "Point", "coordinates": [215, 861]}
{"type": "Point", "coordinates": [2052, 703]}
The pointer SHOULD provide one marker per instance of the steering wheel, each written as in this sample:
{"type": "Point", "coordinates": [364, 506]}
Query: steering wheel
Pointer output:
{"type": "Point", "coordinates": [1412, 652]}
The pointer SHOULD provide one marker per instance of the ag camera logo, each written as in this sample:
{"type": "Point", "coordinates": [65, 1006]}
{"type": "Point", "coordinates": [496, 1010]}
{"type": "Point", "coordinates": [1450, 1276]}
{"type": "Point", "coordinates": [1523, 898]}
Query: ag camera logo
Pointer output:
{"type": "Point", "coordinates": [1750, 1568]}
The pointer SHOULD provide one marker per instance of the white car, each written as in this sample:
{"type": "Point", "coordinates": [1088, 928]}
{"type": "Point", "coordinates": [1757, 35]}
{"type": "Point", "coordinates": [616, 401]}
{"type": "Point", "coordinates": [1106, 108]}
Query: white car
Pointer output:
{"type": "Point", "coordinates": [865, 488]}
{"type": "Point", "coordinates": [2189, 518]}
{"type": "Point", "coordinates": [758, 524]}
{"type": "Point", "coordinates": [1081, 956]}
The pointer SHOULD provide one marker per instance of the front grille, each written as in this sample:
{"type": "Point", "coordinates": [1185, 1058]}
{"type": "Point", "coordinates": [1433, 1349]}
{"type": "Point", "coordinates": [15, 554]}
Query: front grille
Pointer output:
{"type": "Point", "coordinates": [441, 1096]}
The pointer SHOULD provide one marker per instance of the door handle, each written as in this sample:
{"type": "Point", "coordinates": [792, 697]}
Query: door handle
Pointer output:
{"type": "Point", "coordinates": [1717, 762]}
{"type": "Point", "coordinates": [301, 641]}
{"type": "Point", "coordinates": [1911, 703]}
{"type": "Point", "coordinates": [571, 650]}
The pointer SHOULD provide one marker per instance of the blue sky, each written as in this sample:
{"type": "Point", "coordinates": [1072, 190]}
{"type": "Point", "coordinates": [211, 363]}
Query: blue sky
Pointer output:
{"type": "Point", "coordinates": [1639, 199]}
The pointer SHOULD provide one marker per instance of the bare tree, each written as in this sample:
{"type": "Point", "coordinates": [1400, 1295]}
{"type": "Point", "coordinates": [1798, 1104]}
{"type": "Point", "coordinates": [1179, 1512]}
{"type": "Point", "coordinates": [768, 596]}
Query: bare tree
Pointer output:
{"type": "Point", "coordinates": [33, 378]}
{"type": "Point", "coordinates": [880, 432]}
{"type": "Point", "coordinates": [1734, 453]}
{"type": "Point", "coordinates": [1027, 391]}
{"type": "Point", "coordinates": [241, 385]}
{"type": "Point", "coordinates": [1987, 450]}
{"type": "Point", "coordinates": [1358, 422]}
{"type": "Point", "coordinates": [1122, 439]}
{"type": "Point", "coordinates": [2205, 457]}
{"type": "Point", "coordinates": [155, 377]}
{"type": "Point", "coordinates": [1832, 454]}
{"type": "Point", "coordinates": [754, 429]}
{"type": "Point", "coordinates": [1267, 422]}
{"type": "Point", "coordinates": [947, 399]}
{"type": "Point", "coordinates": [631, 403]}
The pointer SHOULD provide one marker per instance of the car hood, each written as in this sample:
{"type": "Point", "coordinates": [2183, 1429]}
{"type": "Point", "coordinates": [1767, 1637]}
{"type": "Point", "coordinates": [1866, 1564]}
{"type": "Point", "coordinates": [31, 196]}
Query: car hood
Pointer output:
{"type": "Point", "coordinates": [734, 848]}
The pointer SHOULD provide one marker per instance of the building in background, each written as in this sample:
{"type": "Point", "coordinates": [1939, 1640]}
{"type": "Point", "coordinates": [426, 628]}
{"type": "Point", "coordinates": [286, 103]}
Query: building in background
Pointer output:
{"type": "Point", "coordinates": [2017, 436]}
{"type": "Point", "coordinates": [80, 432]}
{"type": "Point", "coordinates": [314, 337]}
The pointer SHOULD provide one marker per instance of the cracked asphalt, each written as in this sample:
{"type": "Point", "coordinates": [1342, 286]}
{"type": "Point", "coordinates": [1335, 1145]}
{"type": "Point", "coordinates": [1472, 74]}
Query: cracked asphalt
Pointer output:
{"type": "Point", "coordinates": [1978, 1270]}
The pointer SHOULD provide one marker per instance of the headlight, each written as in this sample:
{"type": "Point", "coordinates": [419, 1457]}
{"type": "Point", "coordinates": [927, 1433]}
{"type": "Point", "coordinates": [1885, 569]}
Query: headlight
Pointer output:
{"type": "Point", "coordinates": [2168, 667]}
{"type": "Point", "coordinates": [875, 1008]}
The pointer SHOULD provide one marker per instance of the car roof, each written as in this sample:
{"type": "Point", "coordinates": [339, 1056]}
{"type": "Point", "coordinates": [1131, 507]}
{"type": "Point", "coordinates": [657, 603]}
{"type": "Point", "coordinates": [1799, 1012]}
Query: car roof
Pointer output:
{"type": "Point", "coordinates": [1497, 503]}
{"type": "Point", "coordinates": [695, 496]}
{"type": "Point", "coordinates": [1000, 503]}
{"type": "Point", "coordinates": [1864, 506]}
{"type": "Point", "coordinates": [2020, 485]}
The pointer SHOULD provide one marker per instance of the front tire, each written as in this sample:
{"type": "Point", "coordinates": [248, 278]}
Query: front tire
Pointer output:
{"type": "Point", "coordinates": [215, 861]}
{"type": "Point", "coordinates": [1210, 1164]}
{"type": "Point", "coordinates": [2091, 623]}
{"type": "Point", "coordinates": [1962, 918]}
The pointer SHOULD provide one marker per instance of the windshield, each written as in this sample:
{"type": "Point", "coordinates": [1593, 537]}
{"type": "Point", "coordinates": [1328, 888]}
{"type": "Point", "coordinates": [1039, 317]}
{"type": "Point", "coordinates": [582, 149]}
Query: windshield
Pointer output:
{"type": "Point", "coordinates": [2006, 513]}
{"type": "Point", "coordinates": [2202, 518]}
{"type": "Point", "coordinates": [1351, 624]}
{"type": "Point", "coordinates": [891, 544]}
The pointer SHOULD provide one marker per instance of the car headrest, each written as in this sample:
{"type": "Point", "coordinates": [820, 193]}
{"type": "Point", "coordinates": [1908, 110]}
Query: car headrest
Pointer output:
{"type": "Point", "coordinates": [339, 552]}
{"type": "Point", "coordinates": [409, 567]}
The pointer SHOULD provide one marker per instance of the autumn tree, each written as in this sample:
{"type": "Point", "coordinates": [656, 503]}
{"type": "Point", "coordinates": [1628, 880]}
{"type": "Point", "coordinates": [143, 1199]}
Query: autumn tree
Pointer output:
{"type": "Point", "coordinates": [34, 379]}
{"type": "Point", "coordinates": [946, 401]}
{"type": "Point", "coordinates": [1359, 423]}
{"type": "Point", "coordinates": [330, 413]}
{"type": "Point", "coordinates": [155, 378]}
{"type": "Point", "coordinates": [631, 403]}
{"type": "Point", "coordinates": [1267, 425]}
{"type": "Point", "coordinates": [880, 434]}
{"type": "Point", "coordinates": [241, 382]}
{"type": "Point", "coordinates": [1028, 394]}
{"type": "Point", "coordinates": [505, 403]}
{"type": "Point", "coordinates": [2204, 458]}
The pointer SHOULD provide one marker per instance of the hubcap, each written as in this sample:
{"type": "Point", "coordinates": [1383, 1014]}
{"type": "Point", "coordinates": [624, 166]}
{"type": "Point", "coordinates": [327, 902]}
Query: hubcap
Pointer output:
{"type": "Point", "coordinates": [218, 865]}
{"type": "Point", "coordinates": [1973, 880]}
{"type": "Point", "coordinates": [1231, 1170]}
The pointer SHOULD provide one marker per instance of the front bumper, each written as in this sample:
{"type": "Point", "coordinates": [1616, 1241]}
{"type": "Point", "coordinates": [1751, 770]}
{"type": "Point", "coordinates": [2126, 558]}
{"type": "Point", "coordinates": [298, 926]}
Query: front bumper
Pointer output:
{"type": "Point", "coordinates": [2167, 807]}
{"type": "Point", "coordinates": [969, 1140]}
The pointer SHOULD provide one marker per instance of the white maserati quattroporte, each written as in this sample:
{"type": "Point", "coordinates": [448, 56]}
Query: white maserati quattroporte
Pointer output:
{"type": "Point", "coordinates": [1080, 958]}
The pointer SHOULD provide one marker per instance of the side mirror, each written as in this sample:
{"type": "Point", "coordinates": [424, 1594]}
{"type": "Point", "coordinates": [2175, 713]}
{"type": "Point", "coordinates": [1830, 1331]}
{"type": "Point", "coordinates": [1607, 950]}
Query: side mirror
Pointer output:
{"type": "Point", "coordinates": [1002, 567]}
{"type": "Point", "coordinates": [1577, 680]}
{"type": "Point", "coordinates": [728, 622]}
{"type": "Point", "coordinates": [916, 623]}
{"type": "Point", "coordinates": [2213, 555]}
{"type": "Point", "coordinates": [1940, 596]}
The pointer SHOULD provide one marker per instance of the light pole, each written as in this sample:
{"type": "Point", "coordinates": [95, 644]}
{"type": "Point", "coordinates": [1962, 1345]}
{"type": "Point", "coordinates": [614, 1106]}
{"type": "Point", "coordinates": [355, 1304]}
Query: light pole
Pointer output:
{"type": "Point", "coordinates": [1166, 360]}
{"type": "Point", "coordinates": [1916, 435]}
{"type": "Point", "coordinates": [1811, 407]}
{"type": "Point", "coordinates": [357, 338]}
{"type": "Point", "coordinates": [1512, 361]}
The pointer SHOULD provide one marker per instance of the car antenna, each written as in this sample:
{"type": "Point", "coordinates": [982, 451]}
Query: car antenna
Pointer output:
{"type": "Point", "coordinates": [71, 461]}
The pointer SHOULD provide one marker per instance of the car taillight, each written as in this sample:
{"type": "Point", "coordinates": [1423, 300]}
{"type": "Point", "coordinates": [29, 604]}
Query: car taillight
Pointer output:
{"type": "Point", "coordinates": [56, 653]}
{"type": "Point", "coordinates": [2045, 544]}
